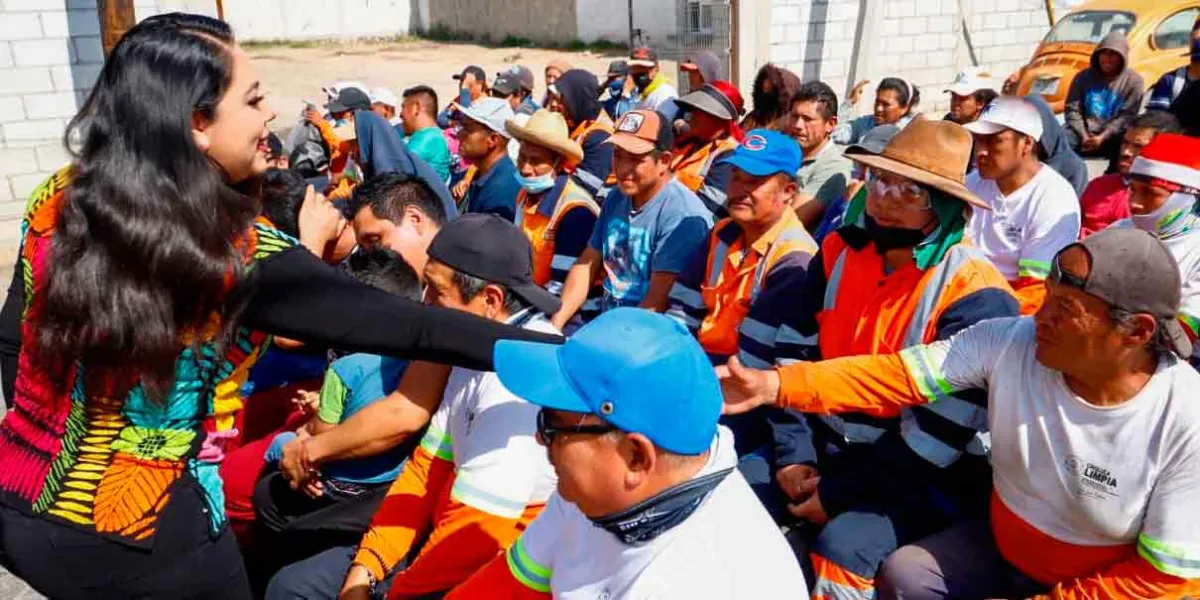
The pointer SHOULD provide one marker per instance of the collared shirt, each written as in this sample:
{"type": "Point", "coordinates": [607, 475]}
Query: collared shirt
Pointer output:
{"type": "Point", "coordinates": [495, 191]}
{"type": "Point", "coordinates": [825, 174]}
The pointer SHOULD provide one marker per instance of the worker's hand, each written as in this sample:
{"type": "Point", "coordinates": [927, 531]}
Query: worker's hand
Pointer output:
{"type": "Point", "coordinates": [319, 221]}
{"type": "Point", "coordinates": [746, 389]}
{"type": "Point", "coordinates": [856, 92]}
{"type": "Point", "coordinates": [357, 585]}
{"type": "Point", "coordinates": [313, 116]}
{"type": "Point", "coordinates": [810, 509]}
{"type": "Point", "coordinates": [307, 401]}
{"type": "Point", "coordinates": [560, 319]}
{"type": "Point", "coordinates": [791, 479]}
{"type": "Point", "coordinates": [291, 464]}
{"type": "Point", "coordinates": [1091, 142]}
{"type": "Point", "coordinates": [459, 190]}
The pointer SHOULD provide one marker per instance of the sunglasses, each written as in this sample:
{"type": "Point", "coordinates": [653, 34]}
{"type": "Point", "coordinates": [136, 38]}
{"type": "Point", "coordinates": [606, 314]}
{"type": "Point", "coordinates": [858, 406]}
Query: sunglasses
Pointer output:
{"type": "Point", "coordinates": [547, 432]}
{"type": "Point", "coordinates": [1058, 276]}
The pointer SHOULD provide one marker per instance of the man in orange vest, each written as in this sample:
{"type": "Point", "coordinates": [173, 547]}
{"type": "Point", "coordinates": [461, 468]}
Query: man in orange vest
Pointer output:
{"type": "Point", "coordinates": [897, 273]}
{"type": "Point", "coordinates": [706, 132]}
{"type": "Point", "coordinates": [576, 96]}
{"type": "Point", "coordinates": [554, 212]}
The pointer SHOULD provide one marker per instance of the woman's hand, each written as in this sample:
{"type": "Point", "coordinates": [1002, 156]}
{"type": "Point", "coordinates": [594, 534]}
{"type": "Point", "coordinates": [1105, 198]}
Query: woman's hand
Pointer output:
{"type": "Point", "coordinates": [320, 221]}
{"type": "Point", "coordinates": [856, 93]}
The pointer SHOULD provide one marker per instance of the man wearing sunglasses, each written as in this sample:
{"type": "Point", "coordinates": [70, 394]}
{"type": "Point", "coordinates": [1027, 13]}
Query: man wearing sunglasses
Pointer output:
{"type": "Point", "coordinates": [1094, 425]}
{"type": "Point", "coordinates": [649, 502]}
{"type": "Point", "coordinates": [1034, 210]}
{"type": "Point", "coordinates": [1163, 199]}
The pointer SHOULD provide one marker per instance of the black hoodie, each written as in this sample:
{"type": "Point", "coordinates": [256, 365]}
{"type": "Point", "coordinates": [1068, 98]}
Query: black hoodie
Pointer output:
{"type": "Point", "coordinates": [1099, 105]}
{"type": "Point", "coordinates": [580, 91]}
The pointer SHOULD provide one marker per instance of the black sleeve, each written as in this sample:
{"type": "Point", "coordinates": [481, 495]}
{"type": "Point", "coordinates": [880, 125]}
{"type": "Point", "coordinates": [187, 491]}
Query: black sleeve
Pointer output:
{"type": "Point", "coordinates": [294, 294]}
{"type": "Point", "coordinates": [10, 333]}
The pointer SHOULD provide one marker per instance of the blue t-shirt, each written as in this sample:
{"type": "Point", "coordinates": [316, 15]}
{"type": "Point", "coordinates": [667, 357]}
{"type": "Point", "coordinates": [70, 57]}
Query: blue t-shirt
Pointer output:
{"type": "Point", "coordinates": [353, 383]}
{"type": "Point", "coordinates": [496, 191]}
{"type": "Point", "coordinates": [659, 238]}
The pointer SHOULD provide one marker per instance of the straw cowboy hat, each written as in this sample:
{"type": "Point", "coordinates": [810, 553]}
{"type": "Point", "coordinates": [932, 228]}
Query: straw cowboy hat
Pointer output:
{"type": "Point", "coordinates": [548, 129]}
{"type": "Point", "coordinates": [932, 153]}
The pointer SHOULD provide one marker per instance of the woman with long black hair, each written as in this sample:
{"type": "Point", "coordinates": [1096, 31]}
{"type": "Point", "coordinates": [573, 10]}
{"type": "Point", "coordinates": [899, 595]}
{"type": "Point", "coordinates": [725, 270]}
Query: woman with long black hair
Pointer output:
{"type": "Point", "coordinates": [146, 279]}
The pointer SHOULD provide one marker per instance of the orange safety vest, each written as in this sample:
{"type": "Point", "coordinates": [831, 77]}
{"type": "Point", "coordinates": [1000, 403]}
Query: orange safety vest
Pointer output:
{"type": "Point", "coordinates": [734, 278]}
{"type": "Point", "coordinates": [691, 168]}
{"type": "Point", "coordinates": [865, 315]}
{"type": "Point", "coordinates": [540, 225]}
{"type": "Point", "coordinates": [583, 130]}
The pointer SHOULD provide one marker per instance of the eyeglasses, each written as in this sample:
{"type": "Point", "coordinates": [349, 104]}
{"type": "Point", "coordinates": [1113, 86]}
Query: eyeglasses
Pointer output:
{"type": "Point", "coordinates": [1058, 276]}
{"type": "Point", "coordinates": [547, 432]}
{"type": "Point", "coordinates": [911, 195]}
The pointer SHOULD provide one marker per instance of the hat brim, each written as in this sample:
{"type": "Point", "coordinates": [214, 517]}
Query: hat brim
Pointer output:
{"type": "Point", "coordinates": [1178, 337]}
{"type": "Point", "coordinates": [465, 113]}
{"type": "Point", "coordinates": [631, 143]}
{"type": "Point", "coordinates": [706, 103]}
{"type": "Point", "coordinates": [921, 176]}
{"type": "Point", "coordinates": [564, 147]}
{"type": "Point", "coordinates": [985, 127]}
{"type": "Point", "coordinates": [754, 166]}
{"type": "Point", "coordinates": [538, 296]}
{"type": "Point", "coordinates": [689, 67]}
{"type": "Point", "coordinates": [533, 371]}
{"type": "Point", "coordinates": [642, 63]}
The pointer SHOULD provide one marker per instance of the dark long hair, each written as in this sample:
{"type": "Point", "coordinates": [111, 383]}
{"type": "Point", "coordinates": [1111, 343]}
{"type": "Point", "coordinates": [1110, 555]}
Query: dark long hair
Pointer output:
{"type": "Point", "coordinates": [146, 246]}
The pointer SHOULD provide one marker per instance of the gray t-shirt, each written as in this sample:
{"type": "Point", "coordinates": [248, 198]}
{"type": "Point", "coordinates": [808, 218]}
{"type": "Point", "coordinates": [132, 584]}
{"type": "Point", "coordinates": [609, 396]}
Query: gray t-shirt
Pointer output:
{"type": "Point", "coordinates": [826, 175]}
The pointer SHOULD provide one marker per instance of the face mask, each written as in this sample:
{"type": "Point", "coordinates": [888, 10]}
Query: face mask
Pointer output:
{"type": "Point", "coordinates": [536, 184]}
{"type": "Point", "coordinates": [1176, 216]}
{"type": "Point", "coordinates": [616, 87]}
{"type": "Point", "coordinates": [892, 238]}
{"type": "Point", "coordinates": [1195, 50]}
{"type": "Point", "coordinates": [642, 80]}
{"type": "Point", "coordinates": [659, 514]}
{"type": "Point", "coordinates": [339, 123]}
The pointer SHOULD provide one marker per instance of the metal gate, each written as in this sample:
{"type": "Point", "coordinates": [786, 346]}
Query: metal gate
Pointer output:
{"type": "Point", "coordinates": [703, 25]}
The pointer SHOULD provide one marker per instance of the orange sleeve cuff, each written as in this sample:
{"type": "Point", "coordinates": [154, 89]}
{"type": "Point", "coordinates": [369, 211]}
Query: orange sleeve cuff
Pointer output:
{"type": "Point", "coordinates": [405, 514]}
{"type": "Point", "coordinates": [876, 385]}
{"type": "Point", "coordinates": [1132, 578]}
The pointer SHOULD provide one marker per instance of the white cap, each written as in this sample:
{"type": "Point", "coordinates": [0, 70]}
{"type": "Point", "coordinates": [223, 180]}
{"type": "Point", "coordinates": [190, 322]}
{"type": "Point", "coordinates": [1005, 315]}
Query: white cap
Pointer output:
{"type": "Point", "coordinates": [1008, 112]}
{"type": "Point", "coordinates": [382, 95]}
{"type": "Point", "coordinates": [333, 90]}
{"type": "Point", "coordinates": [971, 80]}
{"type": "Point", "coordinates": [492, 112]}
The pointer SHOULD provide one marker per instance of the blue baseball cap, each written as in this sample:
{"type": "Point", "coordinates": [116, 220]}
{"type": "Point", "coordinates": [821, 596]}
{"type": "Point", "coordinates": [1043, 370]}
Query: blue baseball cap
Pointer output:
{"type": "Point", "coordinates": [638, 370]}
{"type": "Point", "coordinates": [764, 152]}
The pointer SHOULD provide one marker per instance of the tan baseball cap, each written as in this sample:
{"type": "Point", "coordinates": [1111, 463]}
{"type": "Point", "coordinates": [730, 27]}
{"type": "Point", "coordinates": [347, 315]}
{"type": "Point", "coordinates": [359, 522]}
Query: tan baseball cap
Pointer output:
{"type": "Point", "coordinates": [642, 132]}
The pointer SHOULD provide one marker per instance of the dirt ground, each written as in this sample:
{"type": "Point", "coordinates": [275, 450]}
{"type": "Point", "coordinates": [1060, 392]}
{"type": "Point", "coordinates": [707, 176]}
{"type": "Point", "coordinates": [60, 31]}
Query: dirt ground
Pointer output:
{"type": "Point", "coordinates": [293, 75]}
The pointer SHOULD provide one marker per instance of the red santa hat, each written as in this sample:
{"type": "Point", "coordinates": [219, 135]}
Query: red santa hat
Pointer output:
{"type": "Point", "coordinates": [1171, 157]}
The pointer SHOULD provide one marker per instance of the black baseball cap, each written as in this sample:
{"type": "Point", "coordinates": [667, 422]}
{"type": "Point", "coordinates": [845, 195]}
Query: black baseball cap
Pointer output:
{"type": "Point", "coordinates": [473, 71]}
{"type": "Point", "coordinates": [494, 250]}
{"type": "Point", "coordinates": [506, 84]}
{"type": "Point", "coordinates": [618, 68]}
{"type": "Point", "coordinates": [350, 99]}
{"type": "Point", "coordinates": [1133, 271]}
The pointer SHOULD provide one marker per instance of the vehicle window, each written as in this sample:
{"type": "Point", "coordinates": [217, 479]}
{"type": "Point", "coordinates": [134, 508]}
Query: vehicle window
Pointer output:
{"type": "Point", "coordinates": [1176, 30]}
{"type": "Point", "coordinates": [1091, 26]}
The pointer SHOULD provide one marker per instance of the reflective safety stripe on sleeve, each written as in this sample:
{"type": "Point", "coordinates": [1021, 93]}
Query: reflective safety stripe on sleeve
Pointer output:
{"type": "Point", "coordinates": [1172, 559]}
{"type": "Point", "coordinates": [525, 570]}
{"type": "Point", "coordinates": [437, 444]}
{"type": "Point", "coordinates": [926, 371]}
{"type": "Point", "coordinates": [472, 494]}
{"type": "Point", "coordinates": [1036, 269]}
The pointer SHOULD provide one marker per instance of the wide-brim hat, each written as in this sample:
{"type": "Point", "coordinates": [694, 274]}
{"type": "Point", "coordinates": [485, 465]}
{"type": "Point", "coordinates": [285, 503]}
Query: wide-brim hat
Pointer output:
{"type": "Point", "coordinates": [548, 129]}
{"type": "Point", "coordinates": [932, 153]}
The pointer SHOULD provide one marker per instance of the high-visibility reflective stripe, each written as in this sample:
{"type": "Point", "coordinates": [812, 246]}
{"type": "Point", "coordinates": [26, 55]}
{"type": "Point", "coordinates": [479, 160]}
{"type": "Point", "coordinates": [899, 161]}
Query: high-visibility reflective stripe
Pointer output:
{"type": "Point", "coordinates": [835, 582]}
{"type": "Point", "coordinates": [926, 372]}
{"type": "Point", "coordinates": [554, 287]}
{"type": "Point", "coordinates": [960, 412]}
{"type": "Point", "coordinates": [828, 590]}
{"type": "Point", "coordinates": [692, 323]}
{"type": "Point", "coordinates": [589, 180]}
{"type": "Point", "coordinates": [1172, 559]}
{"type": "Point", "coordinates": [752, 361]}
{"type": "Point", "coordinates": [1191, 323]}
{"type": "Point", "coordinates": [788, 335]}
{"type": "Point", "coordinates": [526, 570]}
{"type": "Point", "coordinates": [717, 262]}
{"type": "Point", "coordinates": [438, 444]}
{"type": "Point", "coordinates": [562, 263]}
{"type": "Point", "coordinates": [473, 495]}
{"type": "Point", "coordinates": [938, 281]}
{"type": "Point", "coordinates": [835, 279]}
{"type": "Point", "coordinates": [687, 296]}
{"type": "Point", "coordinates": [1037, 269]}
{"type": "Point", "coordinates": [853, 433]}
{"type": "Point", "coordinates": [758, 331]}
{"type": "Point", "coordinates": [981, 445]}
{"type": "Point", "coordinates": [926, 446]}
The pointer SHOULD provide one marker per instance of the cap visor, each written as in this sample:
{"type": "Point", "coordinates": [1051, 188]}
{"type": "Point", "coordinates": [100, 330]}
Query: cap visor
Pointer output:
{"type": "Point", "coordinates": [984, 127]}
{"type": "Point", "coordinates": [953, 188]}
{"type": "Point", "coordinates": [532, 371]}
{"type": "Point", "coordinates": [689, 67]}
{"type": "Point", "coordinates": [538, 296]}
{"type": "Point", "coordinates": [753, 166]}
{"type": "Point", "coordinates": [641, 63]}
{"type": "Point", "coordinates": [863, 148]}
{"type": "Point", "coordinates": [1179, 338]}
{"type": "Point", "coordinates": [959, 90]}
{"type": "Point", "coordinates": [456, 76]}
{"type": "Point", "coordinates": [706, 103]}
{"type": "Point", "coordinates": [631, 143]}
{"type": "Point", "coordinates": [336, 106]}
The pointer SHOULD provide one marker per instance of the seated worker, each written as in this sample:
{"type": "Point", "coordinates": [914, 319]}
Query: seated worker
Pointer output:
{"type": "Point", "coordinates": [472, 86]}
{"type": "Point", "coordinates": [898, 272]}
{"type": "Point", "coordinates": [1171, 85]}
{"type": "Point", "coordinates": [515, 86]}
{"type": "Point", "coordinates": [554, 212]}
{"type": "Point", "coordinates": [648, 228]}
{"type": "Point", "coordinates": [705, 132]}
{"type": "Point", "coordinates": [283, 193]}
{"type": "Point", "coordinates": [655, 92]}
{"type": "Point", "coordinates": [896, 102]}
{"type": "Point", "coordinates": [1094, 425]}
{"type": "Point", "coordinates": [1106, 199]}
{"type": "Point", "coordinates": [617, 97]}
{"type": "Point", "coordinates": [1103, 98]}
{"type": "Point", "coordinates": [972, 90]}
{"type": "Point", "coordinates": [418, 114]}
{"type": "Point", "coordinates": [478, 477]}
{"type": "Point", "coordinates": [397, 213]}
{"type": "Point", "coordinates": [701, 67]}
{"type": "Point", "coordinates": [1033, 211]}
{"type": "Point", "coordinates": [649, 503]}
{"type": "Point", "coordinates": [493, 186]}
{"type": "Point", "coordinates": [576, 96]}
{"type": "Point", "coordinates": [385, 104]}
{"type": "Point", "coordinates": [1164, 199]}
{"type": "Point", "coordinates": [824, 173]}
{"type": "Point", "coordinates": [351, 383]}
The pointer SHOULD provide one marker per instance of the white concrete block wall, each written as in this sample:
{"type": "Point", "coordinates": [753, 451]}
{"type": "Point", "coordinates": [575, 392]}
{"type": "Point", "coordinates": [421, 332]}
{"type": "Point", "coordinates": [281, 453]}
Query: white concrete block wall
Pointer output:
{"type": "Point", "coordinates": [921, 40]}
{"type": "Point", "coordinates": [50, 55]}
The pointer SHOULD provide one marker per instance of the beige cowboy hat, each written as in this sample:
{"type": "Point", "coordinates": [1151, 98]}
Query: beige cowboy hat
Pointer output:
{"type": "Point", "coordinates": [932, 153]}
{"type": "Point", "coordinates": [548, 129]}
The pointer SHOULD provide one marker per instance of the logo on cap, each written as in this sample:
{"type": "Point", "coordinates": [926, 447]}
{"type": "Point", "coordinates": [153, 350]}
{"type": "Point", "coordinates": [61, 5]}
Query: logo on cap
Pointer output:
{"type": "Point", "coordinates": [631, 123]}
{"type": "Point", "coordinates": [755, 143]}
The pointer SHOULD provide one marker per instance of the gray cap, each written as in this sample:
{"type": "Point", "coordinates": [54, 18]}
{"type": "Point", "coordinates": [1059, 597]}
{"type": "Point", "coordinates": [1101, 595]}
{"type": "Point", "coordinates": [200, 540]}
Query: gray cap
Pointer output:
{"type": "Point", "coordinates": [873, 141]}
{"type": "Point", "coordinates": [1133, 271]}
